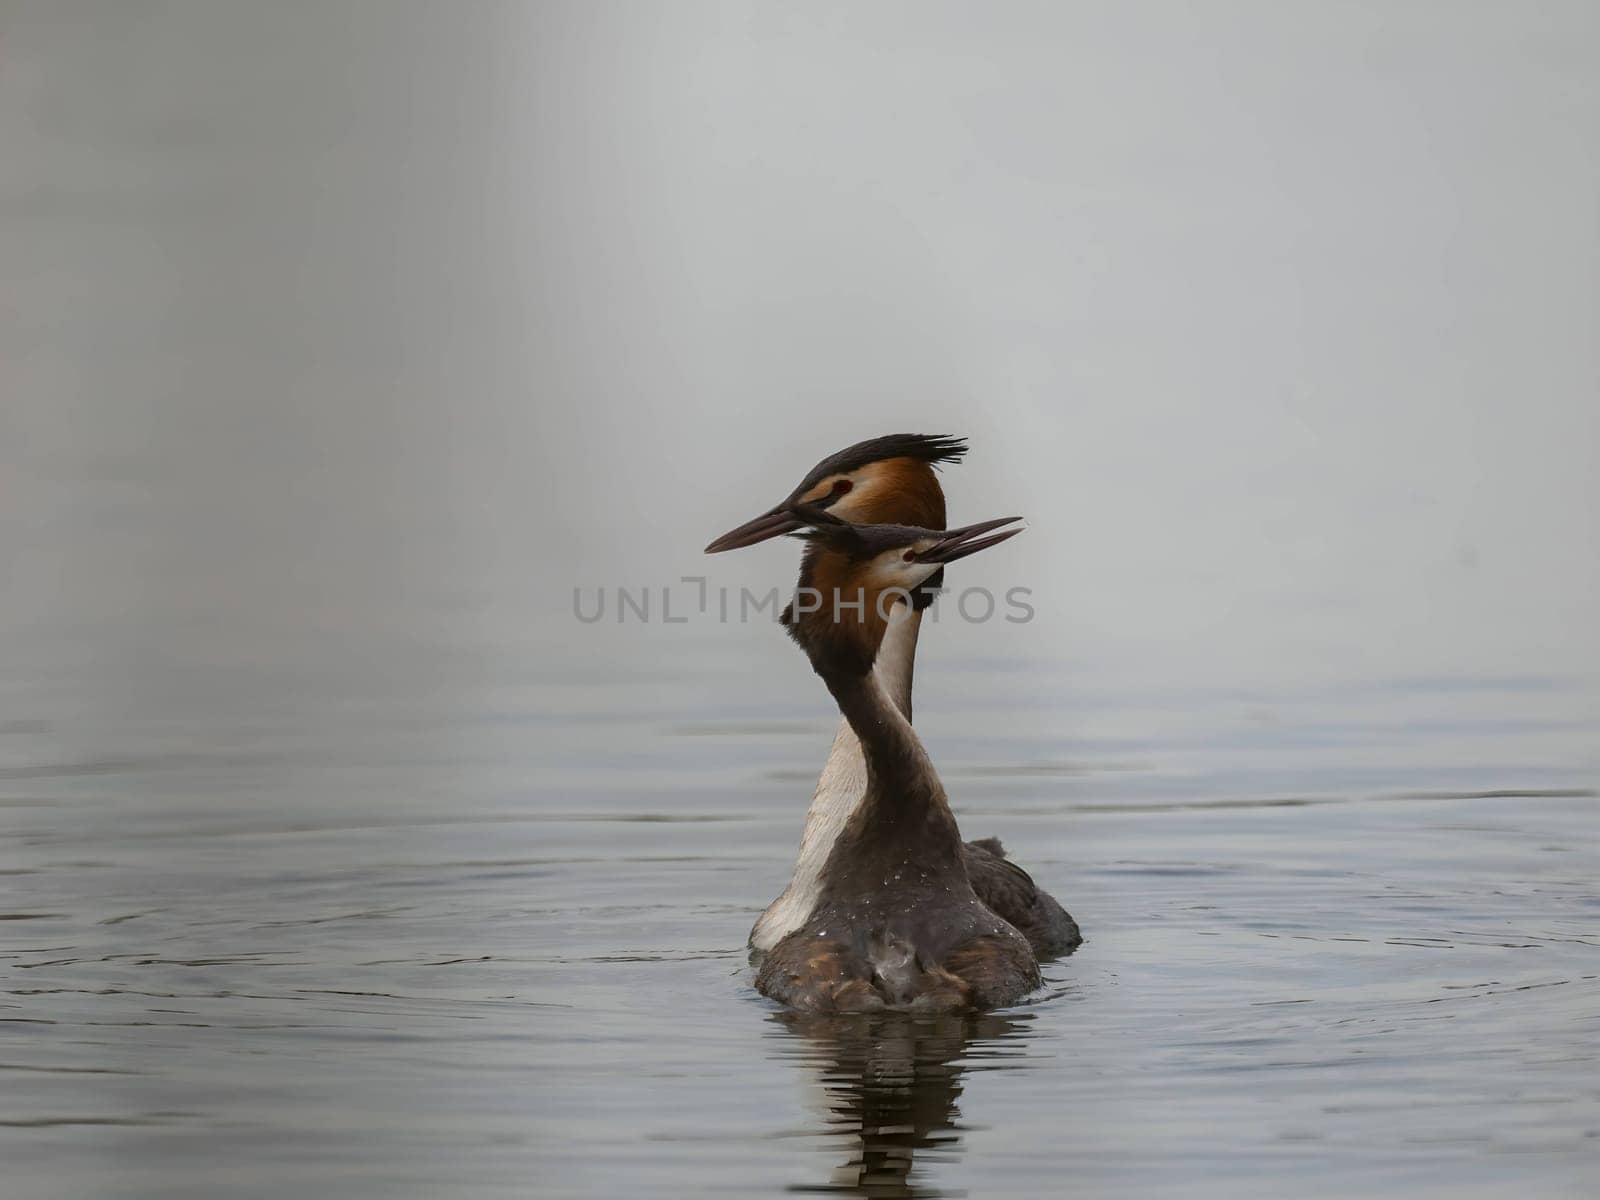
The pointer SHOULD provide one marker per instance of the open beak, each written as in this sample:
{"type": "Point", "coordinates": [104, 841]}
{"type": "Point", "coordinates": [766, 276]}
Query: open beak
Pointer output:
{"type": "Point", "coordinates": [958, 543]}
{"type": "Point", "coordinates": [768, 525]}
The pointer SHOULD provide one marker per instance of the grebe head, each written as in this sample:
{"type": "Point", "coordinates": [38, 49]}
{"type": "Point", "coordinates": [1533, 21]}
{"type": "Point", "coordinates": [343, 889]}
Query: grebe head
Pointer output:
{"type": "Point", "coordinates": [884, 480]}
{"type": "Point", "coordinates": [856, 579]}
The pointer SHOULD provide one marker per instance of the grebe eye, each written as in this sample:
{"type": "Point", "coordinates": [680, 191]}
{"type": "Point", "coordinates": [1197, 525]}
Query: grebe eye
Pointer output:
{"type": "Point", "coordinates": [841, 486]}
{"type": "Point", "coordinates": [910, 556]}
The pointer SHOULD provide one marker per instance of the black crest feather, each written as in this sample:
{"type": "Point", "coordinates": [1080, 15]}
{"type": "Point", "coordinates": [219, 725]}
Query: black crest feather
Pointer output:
{"type": "Point", "coordinates": [931, 448]}
{"type": "Point", "coordinates": [862, 541]}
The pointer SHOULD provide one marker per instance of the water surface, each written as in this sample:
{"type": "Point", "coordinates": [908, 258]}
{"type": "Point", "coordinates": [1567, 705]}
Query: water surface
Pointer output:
{"type": "Point", "coordinates": [481, 934]}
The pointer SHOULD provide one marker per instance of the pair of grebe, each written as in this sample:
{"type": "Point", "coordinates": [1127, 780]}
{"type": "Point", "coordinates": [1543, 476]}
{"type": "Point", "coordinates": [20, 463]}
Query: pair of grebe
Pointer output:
{"type": "Point", "coordinates": [888, 908]}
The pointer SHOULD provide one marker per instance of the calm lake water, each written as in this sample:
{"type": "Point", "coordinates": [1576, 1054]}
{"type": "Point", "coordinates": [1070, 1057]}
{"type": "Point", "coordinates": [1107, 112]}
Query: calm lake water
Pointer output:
{"type": "Point", "coordinates": [478, 929]}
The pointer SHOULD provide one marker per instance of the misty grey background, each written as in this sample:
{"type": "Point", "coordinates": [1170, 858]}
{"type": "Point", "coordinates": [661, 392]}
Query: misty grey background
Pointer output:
{"type": "Point", "coordinates": [340, 342]}
{"type": "Point", "coordinates": [1276, 320]}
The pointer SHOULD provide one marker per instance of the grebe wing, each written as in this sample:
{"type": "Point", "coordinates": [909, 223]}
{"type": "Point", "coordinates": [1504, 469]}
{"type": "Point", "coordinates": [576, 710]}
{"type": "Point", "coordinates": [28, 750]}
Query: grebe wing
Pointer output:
{"type": "Point", "coordinates": [1011, 893]}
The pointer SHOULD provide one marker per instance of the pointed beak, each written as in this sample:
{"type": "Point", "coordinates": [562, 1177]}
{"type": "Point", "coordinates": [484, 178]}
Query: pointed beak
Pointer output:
{"type": "Point", "coordinates": [958, 543]}
{"type": "Point", "coordinates": [769, 524]}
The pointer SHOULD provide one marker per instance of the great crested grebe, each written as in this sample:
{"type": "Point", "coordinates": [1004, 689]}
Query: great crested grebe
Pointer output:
{"type": "Point", "coordinates": [887, 480]}
{"type": "Point", "coordinates": [896, 923]}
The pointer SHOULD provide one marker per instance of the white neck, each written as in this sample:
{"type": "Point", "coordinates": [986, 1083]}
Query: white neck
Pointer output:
{"type": "Point", "coordinates": [839, 790]}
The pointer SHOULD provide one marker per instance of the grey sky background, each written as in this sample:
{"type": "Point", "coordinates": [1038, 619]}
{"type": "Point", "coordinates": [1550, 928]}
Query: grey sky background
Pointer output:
{"type": "Point", "coordinates": [377, 324]}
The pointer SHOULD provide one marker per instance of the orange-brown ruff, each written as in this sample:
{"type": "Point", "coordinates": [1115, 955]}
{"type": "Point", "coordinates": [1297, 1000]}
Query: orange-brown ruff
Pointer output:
{"type": "Point", "coordinates": [837, 586]}
{"type": "Point", "coordinates": [896, 923]}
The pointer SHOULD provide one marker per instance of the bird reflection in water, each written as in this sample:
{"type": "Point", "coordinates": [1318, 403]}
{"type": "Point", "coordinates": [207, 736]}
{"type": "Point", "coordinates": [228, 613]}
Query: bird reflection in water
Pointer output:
{"type": "Point", "coordinates": [888, 1085]}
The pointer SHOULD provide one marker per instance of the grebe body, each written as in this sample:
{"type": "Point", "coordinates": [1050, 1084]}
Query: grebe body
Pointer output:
{"type": "Point", "coordinates": [887, 480]}
{"type": "Point", "coordinates": [895, 922]}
